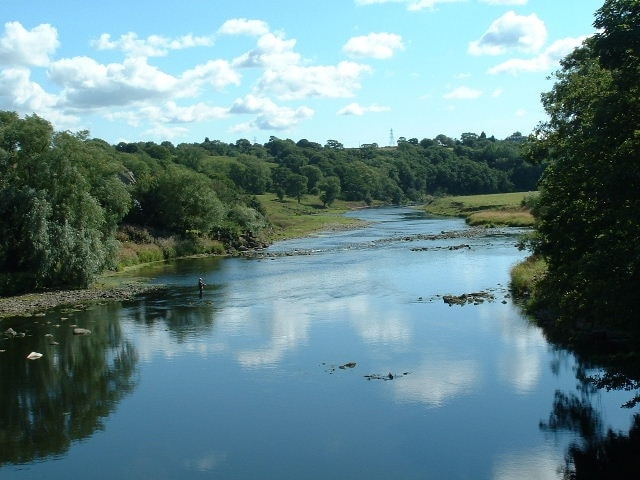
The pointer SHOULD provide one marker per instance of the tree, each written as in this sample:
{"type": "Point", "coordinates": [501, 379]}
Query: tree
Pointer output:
{"type": "Point", "coordinates": [330, 189]}
{"type": "Point", "coordinates": [60, 201]}
{"type": "Point", "coordinates": [296, 186]}
{"type": "Point", "coordinates": [588, 219]}
{"type": "Point", "coordinates": [186, 201]}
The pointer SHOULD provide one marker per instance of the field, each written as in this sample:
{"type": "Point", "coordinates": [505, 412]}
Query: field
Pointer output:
{"type": "Point", "coordinates": [509, 209]}
{"type": "Point", "coordinates": [291, 219]}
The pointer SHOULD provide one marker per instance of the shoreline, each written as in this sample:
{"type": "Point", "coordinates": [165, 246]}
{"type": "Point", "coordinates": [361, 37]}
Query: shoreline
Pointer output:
{"type": "Point", "coordinates": [30, 303]}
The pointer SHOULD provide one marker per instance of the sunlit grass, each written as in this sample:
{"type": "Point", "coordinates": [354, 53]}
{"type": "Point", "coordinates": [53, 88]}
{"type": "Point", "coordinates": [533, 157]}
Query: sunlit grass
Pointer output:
{"type": "Point", "coordinates": [510, 218]}
{"type": "Point", "coordinates": [291, 219]}
{"type": "Point", "coordinates": [493, 209]}
{"type": "Point", "coordinates": [525, 275]}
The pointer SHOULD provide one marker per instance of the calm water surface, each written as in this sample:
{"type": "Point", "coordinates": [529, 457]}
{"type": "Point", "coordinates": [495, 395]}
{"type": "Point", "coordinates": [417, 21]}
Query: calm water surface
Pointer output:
{"type": "Point", "coordinates": [245, 381]}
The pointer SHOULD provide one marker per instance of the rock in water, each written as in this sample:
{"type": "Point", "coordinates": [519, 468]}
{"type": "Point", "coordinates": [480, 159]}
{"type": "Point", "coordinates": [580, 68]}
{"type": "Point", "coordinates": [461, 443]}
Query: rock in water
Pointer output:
{"type": "Point", "coordinates": [34, 356]}
{"type": "Point", "coordinates": [81, 331]}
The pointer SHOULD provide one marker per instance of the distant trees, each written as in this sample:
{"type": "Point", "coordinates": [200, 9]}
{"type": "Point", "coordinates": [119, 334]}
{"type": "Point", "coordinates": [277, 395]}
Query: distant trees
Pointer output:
{"type": "Point", "coordinates": [65, 198]}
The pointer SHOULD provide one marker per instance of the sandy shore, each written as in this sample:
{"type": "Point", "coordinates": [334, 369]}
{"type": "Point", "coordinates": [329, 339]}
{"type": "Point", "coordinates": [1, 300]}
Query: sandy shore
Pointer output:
{"type": "Point", "coordinates": [38, 302]}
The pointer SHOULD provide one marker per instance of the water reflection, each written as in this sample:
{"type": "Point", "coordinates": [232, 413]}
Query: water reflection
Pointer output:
{"type": "Point", "coordinates": [245, 381]}
{"type": "Point", "coordinates": [435, 382]}
{"type": "Point", "coordinates": [47, 404]}
{"type": "Point", "coordinates": [597, 452]}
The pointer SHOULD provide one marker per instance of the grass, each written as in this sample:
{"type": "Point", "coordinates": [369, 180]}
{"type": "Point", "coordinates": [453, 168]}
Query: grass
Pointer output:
{"type": "Point", "coordinates": [493, 209]}
{"type": "Point", "coordinates": [525, 275]}
{"type": "Point", "coordinates": [293, 220]}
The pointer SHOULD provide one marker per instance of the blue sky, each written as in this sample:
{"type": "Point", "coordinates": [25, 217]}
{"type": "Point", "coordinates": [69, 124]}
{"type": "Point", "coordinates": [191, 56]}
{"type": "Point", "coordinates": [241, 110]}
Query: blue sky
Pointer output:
{"type": "Point", "coordinates": [349, 70]}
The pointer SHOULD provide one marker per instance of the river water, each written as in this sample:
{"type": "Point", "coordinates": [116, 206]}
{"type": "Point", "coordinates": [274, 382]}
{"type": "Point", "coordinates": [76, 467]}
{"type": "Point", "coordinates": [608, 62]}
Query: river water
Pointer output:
{"type": "Point", "coordinates": [327, 357]}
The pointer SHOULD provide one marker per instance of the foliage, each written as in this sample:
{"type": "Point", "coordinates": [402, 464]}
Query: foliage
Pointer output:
{"type": "Point", "coordinates": [588, 220]}
{"type": "Point", "coordinates": [59, 210]}
{"type": "Point", "coordinates": [64, 197]}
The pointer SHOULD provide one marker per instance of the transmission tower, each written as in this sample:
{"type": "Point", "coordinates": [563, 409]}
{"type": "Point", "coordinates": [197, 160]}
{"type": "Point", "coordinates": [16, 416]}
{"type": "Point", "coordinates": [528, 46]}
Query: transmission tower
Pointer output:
{"type": "Point", "coordinates": [392, 140]}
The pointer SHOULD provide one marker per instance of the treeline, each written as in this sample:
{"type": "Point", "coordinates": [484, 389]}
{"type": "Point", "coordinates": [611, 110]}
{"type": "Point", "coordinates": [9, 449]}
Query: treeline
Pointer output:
{"type": "Point", "coordinates": [69, 203]}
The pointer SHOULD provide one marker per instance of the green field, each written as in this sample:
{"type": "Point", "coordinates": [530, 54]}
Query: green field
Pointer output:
{"type": "Point", "coordinates": [291, 219]}
{"type": "Point", "coordinates": [493, 209]}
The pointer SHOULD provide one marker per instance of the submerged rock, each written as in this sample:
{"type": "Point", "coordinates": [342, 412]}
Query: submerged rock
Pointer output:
{"type": "Point", "coordinates": [81, 331]}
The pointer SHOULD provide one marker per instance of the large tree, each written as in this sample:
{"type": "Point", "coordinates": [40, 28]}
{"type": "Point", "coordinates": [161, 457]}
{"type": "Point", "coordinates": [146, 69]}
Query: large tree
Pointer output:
{"type": "Point", "coordinates": [588, 220]}
{"type": "Point", "coordinates": [60, 202]}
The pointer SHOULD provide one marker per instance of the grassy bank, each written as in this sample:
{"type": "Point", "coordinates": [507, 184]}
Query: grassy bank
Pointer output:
{"type": "Point", "coordinates": [510, 209]}
{"type": "Point", "coordinates": [525, 275]}
{"type": "Point", "coordinates": [291, 219]}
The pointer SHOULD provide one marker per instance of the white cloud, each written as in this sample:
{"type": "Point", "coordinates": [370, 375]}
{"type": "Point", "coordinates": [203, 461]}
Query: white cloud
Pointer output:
{"type": "Point", "coordinates": [511, 31]}
{"type": "Point", "coordinates": [242, 26]}
{"type": "Point", "coordinates": [18, 93]}
{"type": "Point", "coordinates": [170, 112]}
{"type": "Point", "coordinates": [88, 84]}
{"type": "Point", "coordinates": [23, 94]}
{"type": "Point", "coordinates": [164, 132]}
{"type": "Point", "coordinates": [375, 45]}
{"type": "Point", "coordinates": [152, 46]}
{"type": "Point", "coordinates": [269, 115]}
{"type": "Point", "coordinates": [297, 82]}
{"type": "Point", "coordinates": [217, 73]}
{"type": "Point", "coordinates": [359, 110]}
{"type": "Point", "coordinates": [272, 51]}
{"type": "Point", "coordinates": [463, 93]}
{"type": "Point", "coordinates": [541, 63]}
{"type": "Point", "coordinates": [22, 47]}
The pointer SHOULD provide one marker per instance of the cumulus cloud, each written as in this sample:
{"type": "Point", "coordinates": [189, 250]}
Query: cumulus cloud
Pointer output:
{"type": "Point", "coordinates": [144, 95]}
{"type": "Point", "coordinates": [359, 110]}
{"type": "Point", "coordinates": [374, 45]}
{"type": "Point", "coordinates": [463, 93]}
{"type": "Point", "coordinates": [242, 26]}
{"type": "Point", "coordinates": [152, 46]}
{"type": "Point", "coordinates": [269, 115]}
{"type": "Point", "coordinates": [22, 47]}
{"type": "Point", "coordinates": [89, 84]}
{"type": "Point", "coordinates": [547, 60]}
{"type": "Point", "coordinates": [325, 81]}
{"type": "Point", "coordinates": [272, 51]}
{"type": "Point", "coordinates": [170, 112]}
{"type": "Point", "coordinates": [511, 31]}
{"type": "Point", "coordinates": [217, 73]}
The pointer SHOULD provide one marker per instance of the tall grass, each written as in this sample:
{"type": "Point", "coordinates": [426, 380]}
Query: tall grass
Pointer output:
{"type": "Point", "coordinates": [511, 209]}
{"type": "Point", "coordinates": [526, 275]}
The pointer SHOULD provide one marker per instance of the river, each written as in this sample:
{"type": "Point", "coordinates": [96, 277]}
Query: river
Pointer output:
{"type": "Point", "coordinates": [333, 356]}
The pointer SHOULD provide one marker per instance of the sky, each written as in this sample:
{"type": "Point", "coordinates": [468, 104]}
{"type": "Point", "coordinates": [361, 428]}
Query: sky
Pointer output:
{"type": "Point", "coordinates": [355, 71]}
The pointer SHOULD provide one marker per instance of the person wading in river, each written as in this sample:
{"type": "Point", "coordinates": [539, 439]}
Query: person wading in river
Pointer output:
{"type": "Point", "coordinates": [201, 285]}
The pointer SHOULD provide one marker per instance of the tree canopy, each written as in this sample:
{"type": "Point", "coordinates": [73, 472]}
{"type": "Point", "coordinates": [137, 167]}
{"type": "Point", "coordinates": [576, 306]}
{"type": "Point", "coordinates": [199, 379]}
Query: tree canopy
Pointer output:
{"type": "Point", "coordinates": [588, 217]}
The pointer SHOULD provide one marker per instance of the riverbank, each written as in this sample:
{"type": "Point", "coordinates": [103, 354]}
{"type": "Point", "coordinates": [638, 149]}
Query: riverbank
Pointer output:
{"type": "Point", "coordinates": [33, 303]}
{"type": "Point", "coordinates": [291, 219]}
